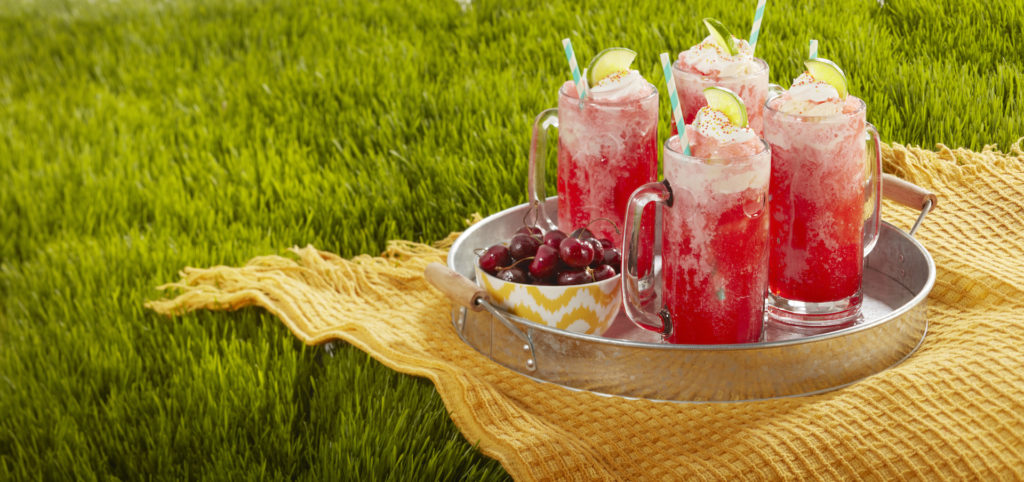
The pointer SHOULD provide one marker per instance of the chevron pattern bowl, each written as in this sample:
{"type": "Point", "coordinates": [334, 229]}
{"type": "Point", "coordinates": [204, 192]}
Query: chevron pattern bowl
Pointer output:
{"type": "Point", "coordinates": [590, 308]}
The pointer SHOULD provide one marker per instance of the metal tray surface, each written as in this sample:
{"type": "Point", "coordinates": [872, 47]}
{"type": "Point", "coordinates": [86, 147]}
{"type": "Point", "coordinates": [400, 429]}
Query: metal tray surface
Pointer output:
{"type": "Point", "coordinates": [633, 363]}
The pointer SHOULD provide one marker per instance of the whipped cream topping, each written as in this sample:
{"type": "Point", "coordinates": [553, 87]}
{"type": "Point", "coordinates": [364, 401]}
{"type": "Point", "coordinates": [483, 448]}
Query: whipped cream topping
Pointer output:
{"type": "Point", "coordinates": [708, 58]}
{"type": "Point", "coordinates": [620, 86]}
{"type": "Point", "coordinates": [716, 125]}
{"type": "Point", "coordinates": [811, 97]}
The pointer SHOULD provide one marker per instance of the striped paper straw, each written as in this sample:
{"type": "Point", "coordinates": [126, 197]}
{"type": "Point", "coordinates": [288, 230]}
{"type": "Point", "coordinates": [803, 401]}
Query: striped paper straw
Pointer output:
{"type": "Point", "coordinates": [673, 97]}
{"type": "Point", "coordinates": [814, 49]}
{"type": "Point", "coordinates": [575, 68]}
{"type": "Point", "coordinates": [755, 29]}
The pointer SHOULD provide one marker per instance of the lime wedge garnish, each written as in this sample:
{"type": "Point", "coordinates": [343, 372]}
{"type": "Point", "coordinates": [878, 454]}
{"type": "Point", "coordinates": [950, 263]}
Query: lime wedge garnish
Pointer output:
{"type": "Point", "coordinates": [827, 71]}
{"type": "Point", "coordinates": [727, 102]}
{"type": "Point", "coordinates": [721, 35]}
{"type": "Point", "coordinates": [608, 62]}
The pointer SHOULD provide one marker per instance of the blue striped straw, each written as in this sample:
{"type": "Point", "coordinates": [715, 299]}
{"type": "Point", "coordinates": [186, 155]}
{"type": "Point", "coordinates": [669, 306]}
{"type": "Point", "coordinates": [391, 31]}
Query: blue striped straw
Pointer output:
{"type": "Point", "coordinates": [755, 29]}
{"type": "Point", "coordinates": [673, 97]}
{"type": "Point", "coordinates": [575, 68]}
{"type": "Point", "coordinates": [814, 49]}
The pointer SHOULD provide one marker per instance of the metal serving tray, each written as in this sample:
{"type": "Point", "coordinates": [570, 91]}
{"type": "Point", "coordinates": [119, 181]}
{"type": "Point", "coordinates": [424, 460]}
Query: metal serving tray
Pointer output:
{"type": "Point", "coordinates": [789, 361]}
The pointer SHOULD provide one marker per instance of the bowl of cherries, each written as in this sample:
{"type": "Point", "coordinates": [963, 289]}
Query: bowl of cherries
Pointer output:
{"type": "Point", "coordinates": [565, 281]}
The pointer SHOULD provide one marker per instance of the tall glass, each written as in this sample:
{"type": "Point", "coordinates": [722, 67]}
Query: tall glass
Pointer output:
{"type": "Point", "coordinates": [714, 248]}
{"type": "Point", "coordinates": [751, 87]}
{"type": "Point", "coordinates": [605, 151]}
{"type": "Point", "coordinates": [825, 201]}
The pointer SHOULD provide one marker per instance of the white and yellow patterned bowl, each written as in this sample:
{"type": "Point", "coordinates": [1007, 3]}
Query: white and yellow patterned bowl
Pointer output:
{"type": "Point", "coordinates": [590, 308]}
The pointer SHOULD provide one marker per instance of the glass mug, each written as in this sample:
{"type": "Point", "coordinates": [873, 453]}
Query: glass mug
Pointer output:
{"type": "Point", "coordinates": [714, 251]}
{"type": "Point", "coordinates": [606, 149]}
{"type": "Point", "coordinates": [825, 212]}
{"type": "Point", "coordinates": [751, 87]}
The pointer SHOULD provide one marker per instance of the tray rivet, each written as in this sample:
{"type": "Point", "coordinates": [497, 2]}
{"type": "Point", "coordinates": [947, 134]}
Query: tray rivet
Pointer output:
{"type": "Point", "coordinates": [530, 364]}
{"type": "Point", "coordinates": [459, 319]}
{"type": "Point", "coordinates": [526, 348]}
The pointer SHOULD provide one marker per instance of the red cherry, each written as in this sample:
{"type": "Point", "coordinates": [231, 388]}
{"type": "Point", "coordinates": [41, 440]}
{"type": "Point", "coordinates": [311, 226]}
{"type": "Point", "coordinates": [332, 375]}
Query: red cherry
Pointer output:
{"type": "Point", "coordinates": [598, 252]}
{"type": "Point", "coordinates": [575, 277]}
{"type": "Point", "coordinates": [513, 275]}
{"type": "Point", "coordinates": [544, 262]}
{"type": "Point", "coordinates": [523, 246]}
{"type": "Point", "coordinates": [613, 258]}
{"type": "Point", "coordinates": [553, 238]}
{"type": "Point", "coordinates": [494, 257]}
{"type": "Point", "coordinates": [603, 272]}
{"type": "Point", "coordinates": [575, 253]}
{"type": "Point", "coordinates": [606, 243]}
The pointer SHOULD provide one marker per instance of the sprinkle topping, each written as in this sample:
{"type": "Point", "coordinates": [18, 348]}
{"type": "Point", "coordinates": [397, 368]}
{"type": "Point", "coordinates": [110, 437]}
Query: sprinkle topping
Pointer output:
{"type": "Point", "coordinates": [620, 85]}
{"type": "Point", "coordinates": [809, 96]}
{"type": "Point", "coordinates": [614, 77]}
{"type": "Point", "coordinates": [715, 124]}
{"type": "Point", "coordinates": [709, 58]}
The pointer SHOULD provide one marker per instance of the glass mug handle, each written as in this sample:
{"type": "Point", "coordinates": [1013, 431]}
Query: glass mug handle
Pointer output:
{"type": "Point", "coordinates": [635, 289]}
{"type": "Point", "coordinates": [535, 184]}
{"type": "Point", "coordinates": [873, 194]}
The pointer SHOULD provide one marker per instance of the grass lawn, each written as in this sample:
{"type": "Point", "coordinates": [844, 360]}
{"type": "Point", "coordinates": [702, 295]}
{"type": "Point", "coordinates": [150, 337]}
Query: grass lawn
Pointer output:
{"type": "Point", "coordinates": [139, 137]}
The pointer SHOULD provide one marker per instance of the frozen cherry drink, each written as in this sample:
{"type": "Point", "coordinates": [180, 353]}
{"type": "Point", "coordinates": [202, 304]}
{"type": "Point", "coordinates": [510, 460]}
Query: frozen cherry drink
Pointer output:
{"type": "Point", "coordinates": [607, 147]}
{"type": "Point", "coordinates": [710, 63]}
{"type": "Point", "coordinates": [824, 199]}
{"type": "Point", "coordinates": [714, 235]}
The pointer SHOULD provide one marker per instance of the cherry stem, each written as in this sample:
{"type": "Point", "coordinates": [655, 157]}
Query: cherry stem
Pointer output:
{"type": "Point", "coordinates": [613, 223]}
{"type": "Point", "coordinates": [513, 265]}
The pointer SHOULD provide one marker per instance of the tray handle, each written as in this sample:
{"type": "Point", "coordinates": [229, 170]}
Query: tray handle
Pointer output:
{"type": "Point", "coordinates": [455, 286]}
{"type": "Point", "coordinates": [910, 195]}
{"type": "Point", "coordinates": [464, 292]}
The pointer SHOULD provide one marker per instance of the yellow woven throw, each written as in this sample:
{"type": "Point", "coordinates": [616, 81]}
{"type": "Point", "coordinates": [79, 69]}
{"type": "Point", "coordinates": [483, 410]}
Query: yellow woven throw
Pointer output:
{"type": "Point", "coordinates": [954, 410]}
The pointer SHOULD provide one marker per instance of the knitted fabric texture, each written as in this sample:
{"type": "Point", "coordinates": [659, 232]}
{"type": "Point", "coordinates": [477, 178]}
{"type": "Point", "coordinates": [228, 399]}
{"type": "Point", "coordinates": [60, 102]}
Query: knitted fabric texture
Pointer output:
{"type": "Point", "coordinates": [953, 410]}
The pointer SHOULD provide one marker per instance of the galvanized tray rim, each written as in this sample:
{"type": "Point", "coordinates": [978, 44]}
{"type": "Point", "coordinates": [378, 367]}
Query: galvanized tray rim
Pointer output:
{"type": "Point", "coordinates": [896, 313]}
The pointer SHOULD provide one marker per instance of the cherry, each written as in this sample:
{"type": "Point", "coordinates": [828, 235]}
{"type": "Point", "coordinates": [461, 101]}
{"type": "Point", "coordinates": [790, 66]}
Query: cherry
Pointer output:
{"type": "Point", "coordinates": [598, 252]}
{"type": "Point", "coordinates": [529, 230]}
{"type": "Point", "coordinates": [544, 262]}
{"type": "Point", "coordinates": [575, 253]}
{"type": "Point", "coordinates": [613, 258]}
{"type": "Point", "coordinates": [553, 238]}
{"type": "Point", "coordinates": [523, 246]}
{"type": "Point", "coordinates": [513, 275]}
{"type": "Point", "coordinates": [494, 257]}
{"type": "Point", "coordinates": [603, 272]}
{"type": "Point", "coordinates": [575, 277]}
{"type": "Point", "coordinates": [532, 256]}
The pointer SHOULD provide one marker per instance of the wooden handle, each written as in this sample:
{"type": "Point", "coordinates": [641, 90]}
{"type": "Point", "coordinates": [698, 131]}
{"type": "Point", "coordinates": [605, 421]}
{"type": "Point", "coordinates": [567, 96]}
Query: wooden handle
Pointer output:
{"type": "Point", "coordinates": [905, 193]}
{"type": "Point", "coordinates": [456, 286]}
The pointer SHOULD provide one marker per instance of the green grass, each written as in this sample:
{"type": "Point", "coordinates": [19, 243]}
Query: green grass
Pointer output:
{"type": "Point", "coordinates": [140, 137]}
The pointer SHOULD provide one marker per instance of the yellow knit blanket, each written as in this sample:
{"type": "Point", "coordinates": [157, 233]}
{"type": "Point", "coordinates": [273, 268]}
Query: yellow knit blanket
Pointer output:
{"type": "Point", "coordinates": [953, 410]}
